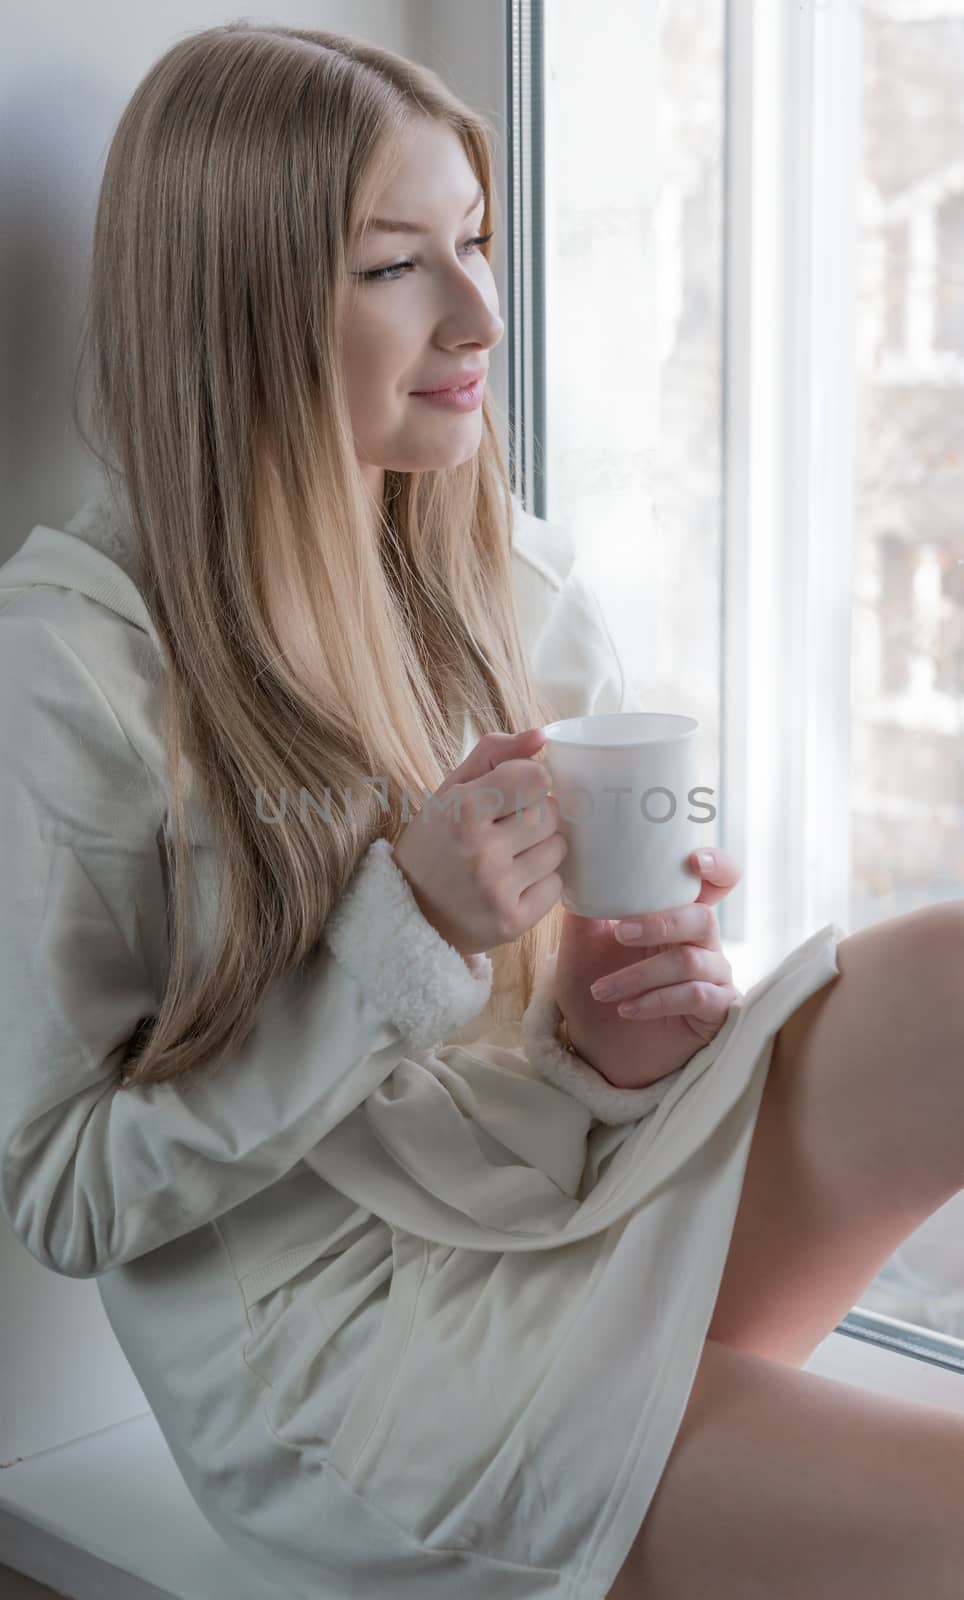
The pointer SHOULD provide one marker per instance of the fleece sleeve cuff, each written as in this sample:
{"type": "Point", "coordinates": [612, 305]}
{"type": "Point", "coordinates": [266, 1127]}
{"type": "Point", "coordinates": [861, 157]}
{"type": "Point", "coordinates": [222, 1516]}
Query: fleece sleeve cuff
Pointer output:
{"type": "Point", "coordinates": [401, 963]}
{"type": "Point", "coordinates": [570, 1071]}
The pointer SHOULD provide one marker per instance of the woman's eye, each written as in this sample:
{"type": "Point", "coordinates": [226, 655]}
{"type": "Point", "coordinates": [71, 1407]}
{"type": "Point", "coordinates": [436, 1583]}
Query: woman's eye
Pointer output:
{"type": "Point", "coordinates": [387, 274]}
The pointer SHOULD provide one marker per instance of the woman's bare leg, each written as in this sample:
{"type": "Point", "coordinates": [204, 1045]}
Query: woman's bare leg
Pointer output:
{"type": "Point", "coordinates": [859, 1136]}
{"type": "Point", "coordinates": [783, 1485]}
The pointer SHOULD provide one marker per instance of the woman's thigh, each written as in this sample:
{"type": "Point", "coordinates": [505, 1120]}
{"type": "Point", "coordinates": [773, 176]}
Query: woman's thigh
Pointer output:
{"type": "Point", "coordinates": [859, 1136]}
{"type": "Point", "coordinates": [783, 1485]}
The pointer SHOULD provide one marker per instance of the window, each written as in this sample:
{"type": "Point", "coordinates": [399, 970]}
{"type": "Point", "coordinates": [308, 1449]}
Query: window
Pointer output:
{"type": "Point", "coordinates": [907, 694]}
{"type": "Point", "coordinates": [634, 325]}
{"type": "Point", "coordinates": [744, 376]}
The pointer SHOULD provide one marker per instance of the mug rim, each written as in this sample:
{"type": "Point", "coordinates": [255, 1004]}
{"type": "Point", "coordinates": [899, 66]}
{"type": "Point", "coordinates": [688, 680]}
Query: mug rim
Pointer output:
{"type": "Point", "coordinates": [686, 727]}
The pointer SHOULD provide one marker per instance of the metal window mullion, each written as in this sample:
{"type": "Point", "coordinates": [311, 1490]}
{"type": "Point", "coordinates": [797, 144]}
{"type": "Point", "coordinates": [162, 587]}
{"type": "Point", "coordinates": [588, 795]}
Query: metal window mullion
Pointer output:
{"type": "Point", "coordinates": [833, 136]}
{"type": "Point", "coordinates": [526, 262]}
{"type": "Point", "coordinates": [820, 73]}
{"type": "Point", "coordinates": [790, 374]}
{"type": "Point", "coordinates": [756, 742]}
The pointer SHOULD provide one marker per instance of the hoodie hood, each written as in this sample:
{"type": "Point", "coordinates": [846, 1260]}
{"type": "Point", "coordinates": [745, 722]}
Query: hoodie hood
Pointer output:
{"type": "Point", "coordinates": [105, 523]}
{"type": "Point", "coordinates": [93, 554]}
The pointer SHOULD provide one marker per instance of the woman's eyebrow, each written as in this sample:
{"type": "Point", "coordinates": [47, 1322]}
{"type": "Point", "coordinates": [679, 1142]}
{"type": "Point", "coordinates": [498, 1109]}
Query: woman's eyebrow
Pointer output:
{"type": "Point", "coordinates": [390, 225]}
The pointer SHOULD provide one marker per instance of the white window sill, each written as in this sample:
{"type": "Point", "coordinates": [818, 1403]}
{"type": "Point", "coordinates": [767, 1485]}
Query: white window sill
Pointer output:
{"type": "Point", "coordinates": [108, 1516]}
{"type": "Point", "coordinates": [891, 1372]}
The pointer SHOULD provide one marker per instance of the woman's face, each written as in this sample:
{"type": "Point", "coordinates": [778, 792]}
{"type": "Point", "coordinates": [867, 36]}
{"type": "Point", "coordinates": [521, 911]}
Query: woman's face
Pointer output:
{"type": "Point", "coordinates": [424, 324]}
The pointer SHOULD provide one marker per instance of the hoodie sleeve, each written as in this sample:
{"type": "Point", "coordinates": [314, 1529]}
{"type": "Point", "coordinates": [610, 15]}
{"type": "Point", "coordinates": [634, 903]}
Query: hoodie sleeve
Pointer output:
{"type": "Point", "coordinates": [91, 1175]}
{"type": "Point", "coordinates": [581, 668]}
{"type": "Point", "coordinates": [570, 1071]}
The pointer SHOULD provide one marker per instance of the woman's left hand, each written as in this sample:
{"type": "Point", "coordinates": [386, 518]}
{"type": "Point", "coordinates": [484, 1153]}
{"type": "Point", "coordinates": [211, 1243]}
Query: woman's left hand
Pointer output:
{"type": "Point", "coordinates": [677, 977]}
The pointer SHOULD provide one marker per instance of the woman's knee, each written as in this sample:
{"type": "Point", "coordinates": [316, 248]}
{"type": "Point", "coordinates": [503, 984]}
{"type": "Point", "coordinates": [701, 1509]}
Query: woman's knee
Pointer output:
{"type": "Point", "coordinates": [940, 940]}
{"type": "Point", "coordinates": [870, 1065]}
{"type": "Point", "coordinates": [912, 983]}
{"type": "Point", "coordinates": [904, 978]}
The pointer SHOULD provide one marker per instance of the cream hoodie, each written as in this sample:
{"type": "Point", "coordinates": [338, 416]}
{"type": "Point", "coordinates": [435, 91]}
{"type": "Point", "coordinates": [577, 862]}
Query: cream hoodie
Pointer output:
{"type": "Point", "coordinates": [415, 1297]}
{"type": "Point", "coordinates": [93, 1177]}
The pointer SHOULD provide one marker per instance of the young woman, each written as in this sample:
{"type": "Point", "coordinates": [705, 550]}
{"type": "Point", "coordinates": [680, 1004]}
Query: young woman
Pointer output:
{"type": "Point", "coordinates": [426, 1302]}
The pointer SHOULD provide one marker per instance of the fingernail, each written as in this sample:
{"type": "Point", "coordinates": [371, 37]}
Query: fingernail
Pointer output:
{"type": "Point", "coordinates": [629, 930]}
{"type": "Point", "coordinates": [705, 858]}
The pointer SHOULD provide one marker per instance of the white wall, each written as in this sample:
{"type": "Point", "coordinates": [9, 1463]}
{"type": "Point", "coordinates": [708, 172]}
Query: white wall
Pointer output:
{"type": "Point", "coordinates": [66, 73]}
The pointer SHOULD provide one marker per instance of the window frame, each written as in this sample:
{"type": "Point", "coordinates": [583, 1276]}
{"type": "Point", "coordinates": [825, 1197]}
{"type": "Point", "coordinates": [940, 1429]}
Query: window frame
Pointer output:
{"type": "Point", "coordinates": [793, 124]}
{"type": "Point", "coordinates": [793, 131]}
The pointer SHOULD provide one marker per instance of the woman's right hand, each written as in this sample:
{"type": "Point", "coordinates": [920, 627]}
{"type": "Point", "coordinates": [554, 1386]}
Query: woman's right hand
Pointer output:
{"type": "Point", "coordinates": [481, 856]}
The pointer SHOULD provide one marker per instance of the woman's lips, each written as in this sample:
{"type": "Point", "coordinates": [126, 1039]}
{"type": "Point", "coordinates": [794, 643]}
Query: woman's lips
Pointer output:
{"type": "Point", "coordinates": [467, 399]}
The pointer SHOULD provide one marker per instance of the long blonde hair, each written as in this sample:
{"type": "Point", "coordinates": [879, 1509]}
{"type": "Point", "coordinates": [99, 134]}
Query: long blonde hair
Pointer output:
{"type": "Point", "coordinates": [238, 174]}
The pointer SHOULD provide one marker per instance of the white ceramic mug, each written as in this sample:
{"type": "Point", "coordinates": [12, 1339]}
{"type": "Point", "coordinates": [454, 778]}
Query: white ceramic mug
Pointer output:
{"type": "Point", "coordinates": [623, 781]}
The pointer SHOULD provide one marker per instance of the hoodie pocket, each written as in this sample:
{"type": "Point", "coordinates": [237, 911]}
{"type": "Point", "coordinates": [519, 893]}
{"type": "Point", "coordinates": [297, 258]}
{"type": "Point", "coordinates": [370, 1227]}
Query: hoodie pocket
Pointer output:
{"type": "Point", "coordinates": [327, 1342]}
{"type": "Point", "coordinates": [386, 1354]}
